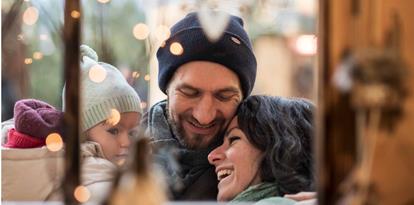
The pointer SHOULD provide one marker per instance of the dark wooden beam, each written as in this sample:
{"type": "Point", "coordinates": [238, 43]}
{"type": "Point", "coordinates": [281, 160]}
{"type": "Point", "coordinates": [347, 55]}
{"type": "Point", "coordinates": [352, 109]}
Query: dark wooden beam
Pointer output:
{"type": "Point", "coordinates": [71, 38]}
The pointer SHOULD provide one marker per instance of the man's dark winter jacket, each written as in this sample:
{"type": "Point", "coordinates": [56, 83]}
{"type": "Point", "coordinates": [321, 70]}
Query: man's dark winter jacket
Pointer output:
{"type": "Point", "coordinates": [189, 175]}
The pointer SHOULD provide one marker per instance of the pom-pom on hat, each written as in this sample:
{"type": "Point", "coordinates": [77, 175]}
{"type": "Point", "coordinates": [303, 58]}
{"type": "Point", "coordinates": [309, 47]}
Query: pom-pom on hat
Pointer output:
{"type": "Point", "coordinates": [34, 120]}
{"type": "Point", "coordinates": [233, 50]}
{"type": "Point", "coordinates": [103, 89]}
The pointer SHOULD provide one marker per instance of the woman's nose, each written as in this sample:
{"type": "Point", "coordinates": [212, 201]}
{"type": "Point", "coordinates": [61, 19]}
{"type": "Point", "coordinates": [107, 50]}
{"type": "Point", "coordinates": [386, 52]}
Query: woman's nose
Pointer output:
{"type": "Point", "coordinates": [216, 155]}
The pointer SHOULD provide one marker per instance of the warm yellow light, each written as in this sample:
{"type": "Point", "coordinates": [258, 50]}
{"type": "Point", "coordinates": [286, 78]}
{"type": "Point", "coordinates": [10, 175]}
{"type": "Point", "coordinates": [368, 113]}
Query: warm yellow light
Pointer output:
{"type": "Point", "coordinates": [306, 44]}
{"type": "Point", "coordinates": [147, 77]}
{"type": "Point", "coordinates": [54, 142]}
{"type": "Point", "coordinates": [176, 48]}
{"type": "Point", "coordinates": [140, 31]}
{"type": "Point", "coordinates": [114, 117]}
{"type": "Point", "coordinates": [103, 1]}
{"type": "Point", "coordinates": [143, 105]}
{"type": "Point", "coordinates": [75, 14]}
{"type": "Point", "coordinates": [97, 73]}
{"type": "Point", "coordinates": [37, 55]}
{"type": "Point", "coordinates": [135, 74]}
{"type": "Point", "coordinates": [162, 33]}
{"type": "Point", "coordinates": [82, 194]}
{"type": "Point", "coordinates": [30, 16]}
{"type": "Point", "coordinates": [20, 37]}
{"type": "Point", "coordinates": [28, 61]}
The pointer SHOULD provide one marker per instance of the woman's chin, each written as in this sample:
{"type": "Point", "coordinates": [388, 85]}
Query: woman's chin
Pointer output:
{"type": "Point", "coordinates": [223, 197]}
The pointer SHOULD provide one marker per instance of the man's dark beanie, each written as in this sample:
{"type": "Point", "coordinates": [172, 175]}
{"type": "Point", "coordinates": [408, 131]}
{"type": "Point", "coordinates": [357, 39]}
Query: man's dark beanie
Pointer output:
{"type": "Point", "coordinates": [232, 50]}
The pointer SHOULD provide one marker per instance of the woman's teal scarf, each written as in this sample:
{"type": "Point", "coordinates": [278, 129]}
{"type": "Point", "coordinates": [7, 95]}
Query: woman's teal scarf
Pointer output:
{"type": "Point", "coordinates": [257, 192]}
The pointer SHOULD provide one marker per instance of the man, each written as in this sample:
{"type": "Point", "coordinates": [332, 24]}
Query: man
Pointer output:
{"type": "Point", "coordinates": [204, 85]}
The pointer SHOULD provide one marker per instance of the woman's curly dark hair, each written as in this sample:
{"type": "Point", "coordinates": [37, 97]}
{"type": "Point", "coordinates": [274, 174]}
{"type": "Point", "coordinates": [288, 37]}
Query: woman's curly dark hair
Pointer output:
{"type": "Point", "coordinates": [283, 129]}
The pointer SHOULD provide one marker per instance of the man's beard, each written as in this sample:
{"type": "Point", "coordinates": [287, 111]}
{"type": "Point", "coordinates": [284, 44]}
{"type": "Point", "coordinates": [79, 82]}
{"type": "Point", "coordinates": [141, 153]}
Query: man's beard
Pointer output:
{"type": "Point", "coordinates": [193, 142]}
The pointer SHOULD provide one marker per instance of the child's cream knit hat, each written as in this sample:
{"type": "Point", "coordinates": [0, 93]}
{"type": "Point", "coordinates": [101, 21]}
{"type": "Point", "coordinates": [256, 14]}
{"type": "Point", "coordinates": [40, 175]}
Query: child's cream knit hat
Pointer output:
{"type": "Point", "coordinates": [105, 91]}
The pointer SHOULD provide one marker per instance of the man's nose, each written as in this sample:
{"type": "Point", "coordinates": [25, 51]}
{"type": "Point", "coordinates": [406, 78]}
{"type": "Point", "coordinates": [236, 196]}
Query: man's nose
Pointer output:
{"type": "Point", "coordinates": [205, 110]}
{"type": "Point", "coordinates": [216, 156]}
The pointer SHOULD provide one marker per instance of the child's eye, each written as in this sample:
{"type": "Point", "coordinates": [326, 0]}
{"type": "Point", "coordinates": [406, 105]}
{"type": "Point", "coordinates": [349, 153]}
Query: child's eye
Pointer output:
{"type": "Point", "coordinates": [113, 131]}
{"type": "Point", "coordinates": [233, 139]}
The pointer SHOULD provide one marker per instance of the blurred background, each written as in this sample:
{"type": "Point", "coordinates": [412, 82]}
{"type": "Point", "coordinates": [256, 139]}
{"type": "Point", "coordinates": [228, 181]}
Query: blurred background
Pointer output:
{"type": "Point", "coordinates": [127, 34]}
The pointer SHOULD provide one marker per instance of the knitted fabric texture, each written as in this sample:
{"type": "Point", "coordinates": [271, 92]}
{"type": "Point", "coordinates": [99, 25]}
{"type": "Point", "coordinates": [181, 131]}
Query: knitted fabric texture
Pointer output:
{"type": "Point", "coordinates": [105, 91]}
{"type": "Point", "coordinates": [34, 120]}
{"type": "Point", "coordinates": [16, 139]}
{"type": "Point", "coordinates": [233, 50]}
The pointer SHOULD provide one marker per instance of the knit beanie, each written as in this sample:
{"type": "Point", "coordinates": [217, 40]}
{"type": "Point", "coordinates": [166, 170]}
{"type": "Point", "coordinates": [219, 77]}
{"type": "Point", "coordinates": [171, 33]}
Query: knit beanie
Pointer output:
{"type": "Point", "coordinates": [103, 89]}
{"type": "Point", "coordinates": [232, 50]}
{"type": "Point", "coordinates": [34, 120]}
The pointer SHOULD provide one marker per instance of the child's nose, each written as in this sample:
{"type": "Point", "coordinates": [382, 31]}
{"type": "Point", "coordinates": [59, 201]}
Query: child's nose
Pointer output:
{"type": "Point", "coordinates": [124, 140]}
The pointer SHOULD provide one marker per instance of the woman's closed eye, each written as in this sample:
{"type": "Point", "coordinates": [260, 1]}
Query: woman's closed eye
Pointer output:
{"type": "Point", "coordinates": [113, 130]}
{"type": "Point", "coordinates": [233, 139]}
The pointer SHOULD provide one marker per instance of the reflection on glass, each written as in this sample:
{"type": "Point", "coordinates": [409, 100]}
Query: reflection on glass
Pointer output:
{"type": "Point", "coordinates": [75, 14]}
{"type": "Point", "coordinates": [97, 73]}
{"type": "Point", "coordinates": [37, 55]}
{"type": "Point", "coordinates": [30, 16]}
{"type": "Point", "coordinates": [176, 49]}
{"type": "Point", "coordinates": [140, 31]}
{"type": "Point", "coordinates": [28, 61]}
{"type": "Point", "coordinates": [114, 117]}
{"type": "Point", "coordinates": [82, 194]}
{"type": "Point", "coordinates": [54, 142]}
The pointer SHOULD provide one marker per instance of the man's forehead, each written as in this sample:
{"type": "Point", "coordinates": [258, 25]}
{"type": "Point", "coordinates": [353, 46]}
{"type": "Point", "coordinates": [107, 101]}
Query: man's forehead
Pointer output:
{"type": "Point", "coordinates": [203, 74]}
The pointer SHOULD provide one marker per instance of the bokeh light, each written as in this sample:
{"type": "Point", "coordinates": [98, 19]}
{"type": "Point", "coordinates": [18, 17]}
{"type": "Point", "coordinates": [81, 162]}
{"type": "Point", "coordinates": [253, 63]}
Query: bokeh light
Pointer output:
{"type": "Point", "coordinates": [176, 48]}
{"type": "Point", "coordinates": [103, 1]}
{"type": "Point", "coordinates": [306, 45]}
{"type": "Point", "coordinates": [82, 194]}
{"type": "Point", "coordinates": [20, 37]}
{"type": "Point", "coordinates": [147, 77]}
{"type": "Point", "coordinates": [30, 16]}
{"type": "Point", "coordinates": [135, 74]}
{"type": "Point", "coordinates": [140, 31]}
{"type": "Point", "coordinates": [75, 14]}
{"type": "Point", "coordinates": [28, 61]}
{"type": "Point", "coordinates": [114, 117]}
{"type": "Point", "coordinates": [97, 73]}
{"type": "Point", "coordinates": [162, 32]}
{"type": "Point", "coordinates": [54, 142]}
{"type": "Point", "coordinates": [37, 55]}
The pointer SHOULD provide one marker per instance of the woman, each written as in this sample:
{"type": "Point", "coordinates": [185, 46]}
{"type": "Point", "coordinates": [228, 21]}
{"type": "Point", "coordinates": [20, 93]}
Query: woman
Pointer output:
{"type": "Point", "coordinates": [266, 152]}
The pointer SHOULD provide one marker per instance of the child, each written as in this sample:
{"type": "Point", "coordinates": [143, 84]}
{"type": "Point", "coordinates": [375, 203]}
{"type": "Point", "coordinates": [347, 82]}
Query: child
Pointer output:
{"type": "Point", "coordinates": [110, 114]}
